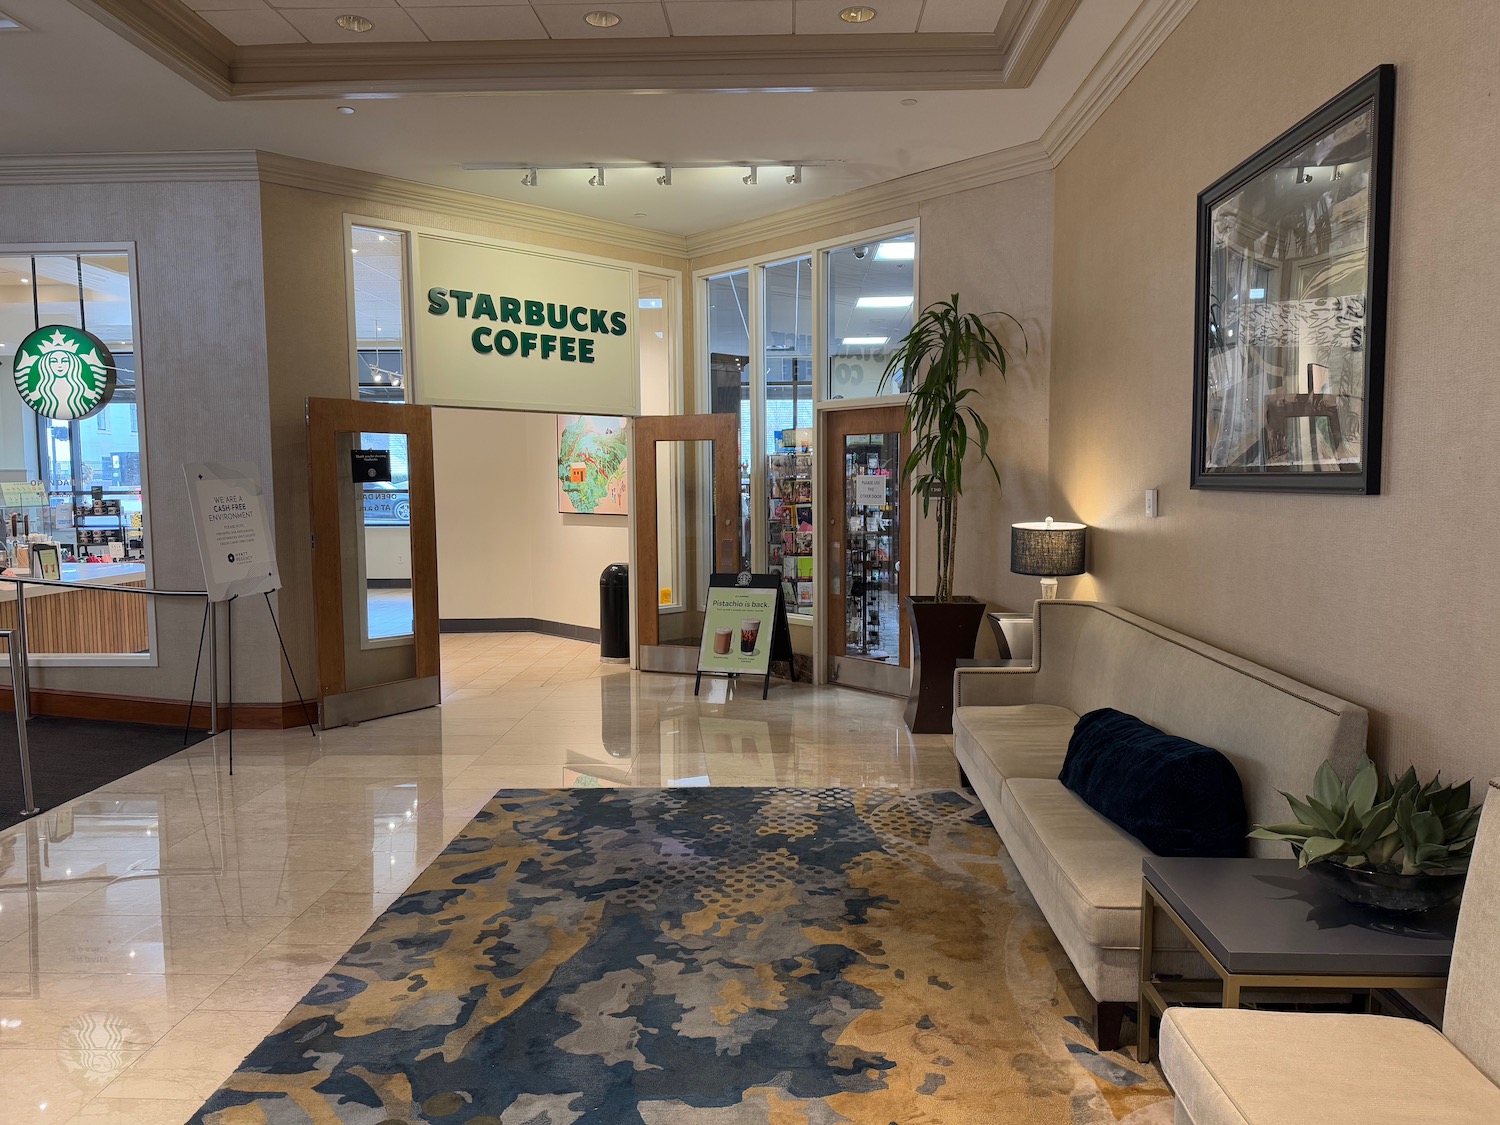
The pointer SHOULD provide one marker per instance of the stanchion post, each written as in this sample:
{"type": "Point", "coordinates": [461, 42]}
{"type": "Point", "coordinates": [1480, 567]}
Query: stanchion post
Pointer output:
{"type": "Point", "coordinates": [17, 682]}
{"type": "Point", "coordinates": [213, 667]}
{"type": "Point", "coordinates": [21, 688]}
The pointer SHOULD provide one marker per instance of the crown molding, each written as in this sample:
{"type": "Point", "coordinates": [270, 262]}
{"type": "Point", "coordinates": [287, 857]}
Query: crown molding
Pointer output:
{"type": "Point", "coordinates": [174, 35]}
{"type": "Point", "coordinates": [906, 193]}
{"type": "Point", "coordinates": [128, 168]}
{"type": "Point", "coordinates": [1146, 30]}
{"type": "Point", "coordinates": [1142, 34]}
{"type": "Point", "coordinates": [1008, 56]}
{"type": "Point", "coordinates": [310, 175]}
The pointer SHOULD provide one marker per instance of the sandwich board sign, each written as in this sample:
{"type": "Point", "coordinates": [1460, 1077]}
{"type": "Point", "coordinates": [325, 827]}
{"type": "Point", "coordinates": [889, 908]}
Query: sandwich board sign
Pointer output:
{"type": "Point", "coordinates": [744, 627]}
{"type": "Point", "coordinates": [234, 529]}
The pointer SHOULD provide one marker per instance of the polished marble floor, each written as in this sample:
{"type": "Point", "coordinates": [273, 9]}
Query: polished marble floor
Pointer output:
{"type": "Point", "coordinates": [152, 932]}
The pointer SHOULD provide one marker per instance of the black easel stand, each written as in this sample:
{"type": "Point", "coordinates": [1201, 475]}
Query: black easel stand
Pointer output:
{"type": "Point", "coordinates": [229, 645]}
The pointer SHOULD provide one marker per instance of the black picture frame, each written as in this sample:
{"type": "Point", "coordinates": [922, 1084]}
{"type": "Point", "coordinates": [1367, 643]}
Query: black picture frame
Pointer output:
{"type": "Point", "coordinates": [1266, 416]}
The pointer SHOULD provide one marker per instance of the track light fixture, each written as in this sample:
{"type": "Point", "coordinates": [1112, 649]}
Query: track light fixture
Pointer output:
{"type": "Point", "coordinates": [529, 180]}
{"type": "Point", "coordinates": [662, 170]}
{"type": "Point", "coordinates": [753, 178]}
{"type": "Point", "coordinates": [598, 177]}
{"type": "Point", "coordinates": [665, 179]}
{"type": "Point", "coordinates": [796, 176]}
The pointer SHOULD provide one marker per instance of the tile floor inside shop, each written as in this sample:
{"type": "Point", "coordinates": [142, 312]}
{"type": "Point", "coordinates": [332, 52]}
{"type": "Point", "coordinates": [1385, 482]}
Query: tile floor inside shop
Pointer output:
{"type": "Point", "coordinates": [152, 932]}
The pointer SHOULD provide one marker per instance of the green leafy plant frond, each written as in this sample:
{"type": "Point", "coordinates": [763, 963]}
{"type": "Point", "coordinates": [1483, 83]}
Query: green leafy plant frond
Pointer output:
{"type": "Point", "coordinates": [942, 345]}
{"type": "Point", "coordinates": [1388, 824]}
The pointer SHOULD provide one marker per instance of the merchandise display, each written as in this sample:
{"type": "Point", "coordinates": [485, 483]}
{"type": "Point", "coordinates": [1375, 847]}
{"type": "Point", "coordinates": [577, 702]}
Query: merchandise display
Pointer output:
{"type": "Point", "coordinates": [872, 601]}
{"type": "Point", "coordinates": [789, 539]}
{"type": "Point", "coordinates": [96, 530]}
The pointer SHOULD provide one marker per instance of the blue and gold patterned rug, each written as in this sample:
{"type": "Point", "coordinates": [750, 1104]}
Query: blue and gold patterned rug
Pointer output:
{"type": "Point", "coordinates": [699, 957]}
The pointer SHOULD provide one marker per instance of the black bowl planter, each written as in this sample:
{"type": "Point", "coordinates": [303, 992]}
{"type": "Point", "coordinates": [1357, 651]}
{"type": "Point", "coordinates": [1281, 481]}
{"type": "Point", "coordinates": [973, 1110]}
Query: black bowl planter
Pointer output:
{"type": "Point", "coordinates": [1406, 894]}
{"type": "Point", "coordinates": [942, 634]}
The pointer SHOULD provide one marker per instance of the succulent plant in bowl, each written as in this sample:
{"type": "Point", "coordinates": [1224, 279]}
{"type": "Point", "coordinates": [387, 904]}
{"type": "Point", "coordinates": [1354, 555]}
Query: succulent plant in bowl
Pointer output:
{"type": "Point", "coordinates": [1391, 842]}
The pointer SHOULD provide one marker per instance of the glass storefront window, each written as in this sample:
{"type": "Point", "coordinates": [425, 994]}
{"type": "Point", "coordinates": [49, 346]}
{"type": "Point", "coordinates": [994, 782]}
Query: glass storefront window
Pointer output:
{"type": "Point", "coordinates": [871, 290]}
{"type": "Point", "coordinates": [788, 380]}
{"type": "Point", "coordinates": [379, 270]}
{"type": "Point", "coordinates": [729, 373]}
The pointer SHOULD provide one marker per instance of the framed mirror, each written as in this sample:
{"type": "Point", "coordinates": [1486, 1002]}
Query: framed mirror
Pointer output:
{"type": "Point", "coordinates": [1289, 349]}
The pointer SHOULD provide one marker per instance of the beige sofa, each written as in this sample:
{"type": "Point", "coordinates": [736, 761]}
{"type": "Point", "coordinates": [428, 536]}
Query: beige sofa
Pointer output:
{"type": "Point", "coordinates": [1010, 734]}
{"type": "Point", "coordinates": [1232, 1067]}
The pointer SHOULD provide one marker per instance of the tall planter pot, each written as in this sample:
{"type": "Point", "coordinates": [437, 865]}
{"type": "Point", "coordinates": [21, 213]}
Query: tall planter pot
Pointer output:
{"type": "Point", "coordinates": [942, 634]}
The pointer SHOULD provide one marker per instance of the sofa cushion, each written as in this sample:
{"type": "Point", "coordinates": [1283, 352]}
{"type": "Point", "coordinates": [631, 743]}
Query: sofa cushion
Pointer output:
{"type": "Point", "coordinates": [1234, 1067]}
{"type": "Point", "coordinates": [1174, 795]}
{"type": "Point", "coordinates": [1029, 740]}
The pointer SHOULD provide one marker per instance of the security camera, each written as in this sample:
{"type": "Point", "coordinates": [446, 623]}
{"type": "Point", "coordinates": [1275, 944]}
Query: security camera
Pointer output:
{"type": "Point", "coordinates": [861, 251]}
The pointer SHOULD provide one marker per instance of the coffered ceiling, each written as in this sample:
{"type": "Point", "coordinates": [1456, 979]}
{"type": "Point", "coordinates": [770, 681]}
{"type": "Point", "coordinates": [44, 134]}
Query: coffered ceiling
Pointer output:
{"type": "Point", "coordinates": [298, 48]}
{"type": "Point", "coordinates": [86, 99]}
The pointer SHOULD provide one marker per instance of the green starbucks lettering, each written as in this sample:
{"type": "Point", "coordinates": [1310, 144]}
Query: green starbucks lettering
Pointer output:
{"type": "Point", "coordinates": [64, 373]}
{"type": "Point", "coordinates": [585, 322]}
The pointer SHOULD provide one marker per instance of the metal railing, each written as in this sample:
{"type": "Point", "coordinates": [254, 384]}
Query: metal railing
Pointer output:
{"type": "Point", "coordinates": [15, 643]}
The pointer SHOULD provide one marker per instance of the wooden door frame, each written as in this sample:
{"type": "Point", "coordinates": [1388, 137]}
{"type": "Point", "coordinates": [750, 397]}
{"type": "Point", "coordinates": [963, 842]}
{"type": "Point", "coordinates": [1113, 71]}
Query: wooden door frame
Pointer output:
{"type": "Point", "coordinates": [326, 419]}
{"type": "Point", "coordinates": [724, 432]}
{"type": "Point", "coordinates": [838, 424]}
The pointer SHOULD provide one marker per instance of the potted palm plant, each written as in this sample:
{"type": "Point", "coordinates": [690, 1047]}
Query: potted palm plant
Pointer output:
{"type": "Point", "coordinates": [943, 345]}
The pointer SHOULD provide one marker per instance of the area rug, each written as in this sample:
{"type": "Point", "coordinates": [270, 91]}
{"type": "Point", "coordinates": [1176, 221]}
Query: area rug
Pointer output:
{"type": "Point", "coordinates": [699, 956]}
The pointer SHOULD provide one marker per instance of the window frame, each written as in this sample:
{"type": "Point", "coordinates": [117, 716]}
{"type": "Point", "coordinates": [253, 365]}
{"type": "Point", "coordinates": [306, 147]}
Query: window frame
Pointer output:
{"type": "Point", "coordinates": [757, 265]}
{"type": "Point", "coordinates": [32, 451]}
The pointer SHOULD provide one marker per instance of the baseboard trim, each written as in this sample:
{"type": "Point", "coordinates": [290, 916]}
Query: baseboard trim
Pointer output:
{"type": "Point", "coordinates": [159, 712]}
{"type": "Point", "coordinates": [518, 625]}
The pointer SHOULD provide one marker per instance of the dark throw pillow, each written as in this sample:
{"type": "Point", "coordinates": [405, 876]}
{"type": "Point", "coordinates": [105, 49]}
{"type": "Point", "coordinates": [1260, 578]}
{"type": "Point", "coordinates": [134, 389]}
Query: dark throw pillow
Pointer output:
{"type": "Point", "coordinates": [1171, 794]}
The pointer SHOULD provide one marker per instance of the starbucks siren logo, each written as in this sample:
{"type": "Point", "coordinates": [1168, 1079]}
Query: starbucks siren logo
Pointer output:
{"type": "Point", "coordinates": [64, 372]}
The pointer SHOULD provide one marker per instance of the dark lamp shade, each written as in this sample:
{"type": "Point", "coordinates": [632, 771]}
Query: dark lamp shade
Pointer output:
{"type": "Point", "coordinates": [1050, 550]}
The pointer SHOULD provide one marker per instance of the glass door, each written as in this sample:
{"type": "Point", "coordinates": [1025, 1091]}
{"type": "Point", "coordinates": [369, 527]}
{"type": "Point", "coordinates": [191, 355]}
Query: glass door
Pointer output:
{"type": "Point", "coordinates": [867, 522]}
{"type": "Point", "coordinates": [374, 558]}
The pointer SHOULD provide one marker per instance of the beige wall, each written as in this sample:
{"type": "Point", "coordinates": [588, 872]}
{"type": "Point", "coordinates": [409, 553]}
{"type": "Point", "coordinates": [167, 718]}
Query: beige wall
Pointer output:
{"type": "Point", "coordinates": [202, 336]}
{"type": "Point", "coordinates": [307, 330]}
{"type": "Point", "coordinates": [1390, 601]}
{"type": "Point", "coordinates": [504, 550]}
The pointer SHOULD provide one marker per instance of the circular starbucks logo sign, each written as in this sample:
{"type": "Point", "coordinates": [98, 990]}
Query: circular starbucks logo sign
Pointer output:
{"type": "Point", "coordinates": [64, 372]}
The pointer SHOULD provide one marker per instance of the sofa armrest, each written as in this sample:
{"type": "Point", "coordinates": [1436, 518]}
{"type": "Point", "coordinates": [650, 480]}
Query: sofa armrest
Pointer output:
{"type": "Point", "coordinates": [1003, 686]}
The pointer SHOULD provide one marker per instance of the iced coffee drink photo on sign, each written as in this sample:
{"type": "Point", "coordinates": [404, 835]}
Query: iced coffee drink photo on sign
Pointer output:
{"type": "Point", "coordinates": [749, 634]}
{"type": "Point", "coordinates": [722, 640]}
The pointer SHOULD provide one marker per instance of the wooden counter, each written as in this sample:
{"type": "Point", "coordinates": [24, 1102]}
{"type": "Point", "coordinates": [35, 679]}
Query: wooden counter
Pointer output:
{"type": "Point", "coordinates": [83, 620]}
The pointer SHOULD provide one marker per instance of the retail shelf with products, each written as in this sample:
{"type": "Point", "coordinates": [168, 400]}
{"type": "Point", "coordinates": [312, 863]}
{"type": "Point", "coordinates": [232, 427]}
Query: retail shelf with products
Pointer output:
{"type": "Point", "coordinates": [789, 539]}
{"type": "Point", "coordinates": [871, 583]}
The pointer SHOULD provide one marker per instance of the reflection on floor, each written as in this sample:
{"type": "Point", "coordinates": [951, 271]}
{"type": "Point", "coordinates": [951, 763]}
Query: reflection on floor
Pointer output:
{"type": "Point", "coordinates": [389, 612]}
{"type": "Point", "coordinates": [154, 931]}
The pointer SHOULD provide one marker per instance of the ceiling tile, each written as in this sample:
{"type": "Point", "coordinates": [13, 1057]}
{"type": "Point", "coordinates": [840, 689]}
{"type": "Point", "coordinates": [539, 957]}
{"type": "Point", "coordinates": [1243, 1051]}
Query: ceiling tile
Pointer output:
{"type": "Point", "coordinates": [565, 21]}
{"type": "Point", "coordinates": [512, 21]}
{"type": "Point", "coordinates": [342, 5]}
{"type": "Point", "coordinates": [959, 15]}
{"type": "Point", "coordinates": [714, 17]}
{"type": "Point", "coordinates": [821, 17]}
{"type": "Point", "coordinates": [392, 25]}
{"type": "Point", "coordinates": [427, 4]}
{"type": "Point", "coordinates": [251, 27]}
{"type": "Point", "coordinates": [224, 5]}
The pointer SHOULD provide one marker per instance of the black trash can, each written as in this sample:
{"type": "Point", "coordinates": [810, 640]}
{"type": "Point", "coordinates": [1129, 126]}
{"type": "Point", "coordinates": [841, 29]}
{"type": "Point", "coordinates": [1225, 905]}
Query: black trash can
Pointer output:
{"type": "Point", "coordinates": [614, 614]}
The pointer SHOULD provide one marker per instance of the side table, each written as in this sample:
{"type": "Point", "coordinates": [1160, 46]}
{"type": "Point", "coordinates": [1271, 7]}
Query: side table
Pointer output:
{"type": "Point", "coordinates": [1267, 924]}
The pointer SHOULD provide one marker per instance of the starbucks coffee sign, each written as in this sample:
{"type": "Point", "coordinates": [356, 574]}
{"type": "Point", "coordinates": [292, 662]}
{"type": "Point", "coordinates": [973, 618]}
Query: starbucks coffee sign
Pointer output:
{"type": "Point", "coordinates": [517, 328]}
{"type": "Point", "coordinates": [64, 373]}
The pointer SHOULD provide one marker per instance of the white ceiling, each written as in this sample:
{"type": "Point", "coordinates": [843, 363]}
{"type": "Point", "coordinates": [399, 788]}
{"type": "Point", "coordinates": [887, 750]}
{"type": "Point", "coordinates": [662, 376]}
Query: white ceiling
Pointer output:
{"type": "Point", "coordinates": [255, 22]}
{"type": "Point", "coordinates": [71, 85]}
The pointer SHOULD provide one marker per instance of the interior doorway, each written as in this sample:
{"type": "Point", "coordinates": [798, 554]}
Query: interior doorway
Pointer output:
{"type": "Point", "coordinates": [686, 481]}
{"type": "Point", "coordinates": [868, 535]}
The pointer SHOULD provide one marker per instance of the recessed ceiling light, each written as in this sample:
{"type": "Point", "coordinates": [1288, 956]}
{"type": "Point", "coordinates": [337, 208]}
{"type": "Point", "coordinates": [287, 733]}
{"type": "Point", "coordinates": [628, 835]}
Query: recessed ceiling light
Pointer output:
{"type": "Point", "coordinates": [857, 14]}
{"type": "Point", "coordinates": [882, 302]}
{"type": "Point", "coordinates": [346, 109]}
{"type": "Point", "coordinates": [896, 252]}
{"type": "Point", "coordinates": [8, 23]}
{"type": "Point", "coordinates": [908, 101]}
{"type": "Point", "coordinates": [864, 341]}
{"type": "Point", "coordinates": [354, 23]}
{"type": "Point", "coordinates": [601, 19]}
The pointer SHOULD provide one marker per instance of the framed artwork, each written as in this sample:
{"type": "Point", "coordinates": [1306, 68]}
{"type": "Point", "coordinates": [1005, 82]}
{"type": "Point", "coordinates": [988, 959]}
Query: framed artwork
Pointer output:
{"type": "Point", "coordinates": [592, 465]}
{"type": "Point", "coordinates": [1289, 339]}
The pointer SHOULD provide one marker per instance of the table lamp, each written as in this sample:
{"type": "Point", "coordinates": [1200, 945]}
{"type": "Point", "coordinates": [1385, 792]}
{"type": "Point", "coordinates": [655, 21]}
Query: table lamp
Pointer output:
{"type": "Point", "coordinates": [1048, 549]}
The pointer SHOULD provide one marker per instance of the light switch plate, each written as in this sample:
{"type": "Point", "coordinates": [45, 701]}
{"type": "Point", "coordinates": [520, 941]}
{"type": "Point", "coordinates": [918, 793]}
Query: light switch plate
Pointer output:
{"type": "Point", "coordinates": [1153, 508]}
